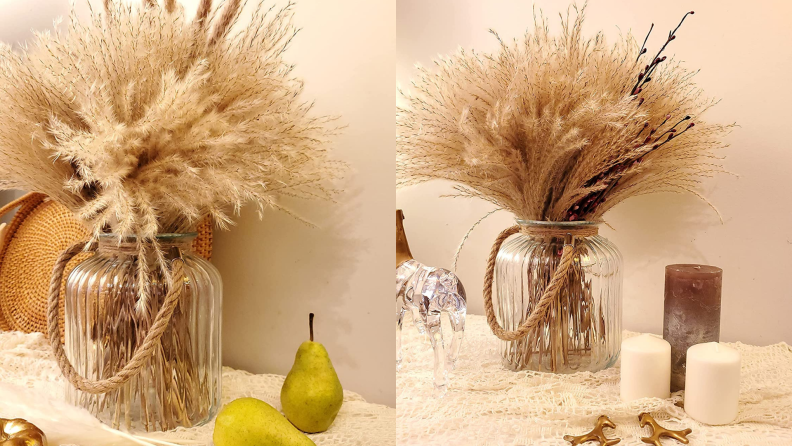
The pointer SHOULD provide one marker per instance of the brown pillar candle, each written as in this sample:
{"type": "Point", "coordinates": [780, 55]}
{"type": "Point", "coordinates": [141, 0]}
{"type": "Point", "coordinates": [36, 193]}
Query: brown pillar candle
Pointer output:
{"type": "Point", "coordinates": [692, 312]}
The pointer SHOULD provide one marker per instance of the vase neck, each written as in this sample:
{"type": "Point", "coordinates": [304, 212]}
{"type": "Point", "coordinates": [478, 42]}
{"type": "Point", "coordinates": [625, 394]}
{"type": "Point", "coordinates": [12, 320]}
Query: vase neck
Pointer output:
{"type": "Point", "coordinates": [171, 245]}
{"type": "Point", "coordinates": [563, 229]}
{"type": "Point", "coordinates": [403, 253]}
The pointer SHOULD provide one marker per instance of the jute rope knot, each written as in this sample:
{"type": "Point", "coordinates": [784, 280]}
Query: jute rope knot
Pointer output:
{"type": "Point", "coordinates": [555, 286]}
{"type": "Point", "coordinates": [141, 355]}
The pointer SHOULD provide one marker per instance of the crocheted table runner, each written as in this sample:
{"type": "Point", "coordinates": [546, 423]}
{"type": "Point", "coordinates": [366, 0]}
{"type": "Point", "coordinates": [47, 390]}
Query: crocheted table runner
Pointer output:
{"type": "Point", "coordinates": [489, 405]}
{"type": "Point", "coordinates": [26, 361]}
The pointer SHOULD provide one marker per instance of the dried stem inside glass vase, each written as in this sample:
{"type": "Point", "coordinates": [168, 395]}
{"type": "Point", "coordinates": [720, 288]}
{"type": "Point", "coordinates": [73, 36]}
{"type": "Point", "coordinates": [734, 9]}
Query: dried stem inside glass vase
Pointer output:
{"type": "Point", "coordinates": [109, 323]}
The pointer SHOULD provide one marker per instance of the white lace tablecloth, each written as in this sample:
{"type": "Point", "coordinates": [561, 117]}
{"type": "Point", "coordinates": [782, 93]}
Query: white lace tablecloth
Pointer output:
{"type": "Point", "coordinates": [26, 363]}
{"type": "Point", "coordinates": [489, 405]}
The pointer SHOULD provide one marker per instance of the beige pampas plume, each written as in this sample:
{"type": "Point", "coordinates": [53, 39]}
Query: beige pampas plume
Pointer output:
{"type": "Point", "coordinates": [147, 118]}
{"type": "Point", "coordinates": [558, 127]}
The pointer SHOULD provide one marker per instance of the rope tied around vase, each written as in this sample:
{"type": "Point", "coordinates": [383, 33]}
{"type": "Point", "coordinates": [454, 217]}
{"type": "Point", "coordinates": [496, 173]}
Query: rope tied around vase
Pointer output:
{"type": "Point", "coordinates": [142, 354]}
{"type": "Point", "coordinates": [554, 287]}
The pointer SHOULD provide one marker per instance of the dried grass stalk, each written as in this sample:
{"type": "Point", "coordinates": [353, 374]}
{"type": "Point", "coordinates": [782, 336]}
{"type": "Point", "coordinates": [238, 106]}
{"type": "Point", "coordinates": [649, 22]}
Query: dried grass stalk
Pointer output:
{"type": "Point", "coordinates": [558, 127]}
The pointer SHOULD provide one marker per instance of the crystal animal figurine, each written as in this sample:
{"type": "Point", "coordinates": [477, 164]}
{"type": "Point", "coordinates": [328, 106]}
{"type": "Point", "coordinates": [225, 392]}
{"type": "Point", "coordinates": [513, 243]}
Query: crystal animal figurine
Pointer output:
{"type": "Point", "coordinates": [427, 293]}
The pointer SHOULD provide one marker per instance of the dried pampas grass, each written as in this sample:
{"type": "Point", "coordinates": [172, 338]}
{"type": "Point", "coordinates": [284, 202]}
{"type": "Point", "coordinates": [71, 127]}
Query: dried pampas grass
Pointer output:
{"type": "Point", "coordinates": [558, 127]}
{"type": "Point", "coordinates": [146, 119]}
{"type": "Point", "coordinates": [143, 121]}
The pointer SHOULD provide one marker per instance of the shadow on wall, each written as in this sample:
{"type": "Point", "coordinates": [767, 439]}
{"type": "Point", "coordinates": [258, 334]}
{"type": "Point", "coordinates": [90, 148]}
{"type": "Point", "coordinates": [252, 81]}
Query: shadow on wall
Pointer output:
{"type": "Point", "coordinates": [659, 226]}
{"type": "Point", "coordinates": [278, 270]}
{"type": "Point", "coordinates": [651, 232]}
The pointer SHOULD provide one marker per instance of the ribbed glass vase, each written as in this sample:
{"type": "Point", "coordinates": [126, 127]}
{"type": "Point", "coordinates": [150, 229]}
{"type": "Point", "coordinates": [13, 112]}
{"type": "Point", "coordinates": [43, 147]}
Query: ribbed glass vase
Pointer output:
{"type": "Point", "coordinates": [582, 330]}
{"type": "Point", "coordinates": [105, 323]}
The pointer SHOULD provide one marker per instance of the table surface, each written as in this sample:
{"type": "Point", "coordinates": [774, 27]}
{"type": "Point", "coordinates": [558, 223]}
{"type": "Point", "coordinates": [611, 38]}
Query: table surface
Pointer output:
{"type": "Point", "coordinates": [489, 405]}
{"type": "Point", "coordinates": [28, 372]}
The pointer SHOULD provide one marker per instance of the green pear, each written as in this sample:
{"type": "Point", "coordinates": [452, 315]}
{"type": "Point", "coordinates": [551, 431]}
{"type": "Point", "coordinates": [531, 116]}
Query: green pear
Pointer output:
{"type": "Point", "coordinates": [312, 395]}
{"type": "Point", "coordinates": [252, 422]}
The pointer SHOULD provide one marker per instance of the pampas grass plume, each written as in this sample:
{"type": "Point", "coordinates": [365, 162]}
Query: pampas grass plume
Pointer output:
{"type": "Point", "coordinates": [558, 128]}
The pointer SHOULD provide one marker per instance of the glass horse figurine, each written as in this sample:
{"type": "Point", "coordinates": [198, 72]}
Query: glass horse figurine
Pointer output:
{"type": "Point", "coordinates": [428, 292]}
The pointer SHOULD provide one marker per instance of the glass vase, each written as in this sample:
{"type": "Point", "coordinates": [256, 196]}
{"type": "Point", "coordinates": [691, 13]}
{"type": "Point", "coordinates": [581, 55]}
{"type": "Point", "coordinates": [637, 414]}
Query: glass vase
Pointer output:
{"type": "Point", "coordinates": [582, 329]}
{"type": "Point", "coordinates": [105, 323]}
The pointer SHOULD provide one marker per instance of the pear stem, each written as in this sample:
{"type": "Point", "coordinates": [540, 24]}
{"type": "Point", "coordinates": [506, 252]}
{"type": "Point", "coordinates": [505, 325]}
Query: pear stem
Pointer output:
{"type": "Point", "coordinates": [310, 324]}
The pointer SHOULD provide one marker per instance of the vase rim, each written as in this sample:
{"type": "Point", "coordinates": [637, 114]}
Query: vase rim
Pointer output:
{"type": "Point", "coordinates": [564, 224]}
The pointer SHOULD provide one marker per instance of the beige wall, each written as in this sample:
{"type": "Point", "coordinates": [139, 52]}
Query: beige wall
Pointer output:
{"type": "Point", "coordinates": [744, 52]}
{"type": "Point", "coordinates": [278, 270]}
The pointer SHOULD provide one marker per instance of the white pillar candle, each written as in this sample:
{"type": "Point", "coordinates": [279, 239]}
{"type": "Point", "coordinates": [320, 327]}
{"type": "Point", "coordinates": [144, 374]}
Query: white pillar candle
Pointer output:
{"type": "Point", "coordinates": [712, 383]}
{"type": "Point", "coordinates": [645, 368]}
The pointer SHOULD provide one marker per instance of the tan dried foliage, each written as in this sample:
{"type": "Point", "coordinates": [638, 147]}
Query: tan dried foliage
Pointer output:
{"type": "Point", "coordinates": [554, 128]}
{"type": "Point", "coordinates": [146, 118]}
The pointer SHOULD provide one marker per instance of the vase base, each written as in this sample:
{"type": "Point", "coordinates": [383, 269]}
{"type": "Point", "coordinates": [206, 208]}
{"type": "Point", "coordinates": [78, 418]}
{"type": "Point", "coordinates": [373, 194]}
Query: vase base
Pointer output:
{"type": "Point", "coordinates": [580, 364]}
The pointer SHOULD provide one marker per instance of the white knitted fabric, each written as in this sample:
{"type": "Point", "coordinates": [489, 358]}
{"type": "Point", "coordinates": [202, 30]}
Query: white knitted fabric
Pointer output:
{"type": "Point", "coordinates": [489, 405]}
{"type": "Point", "coordinates": [26, 361]}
